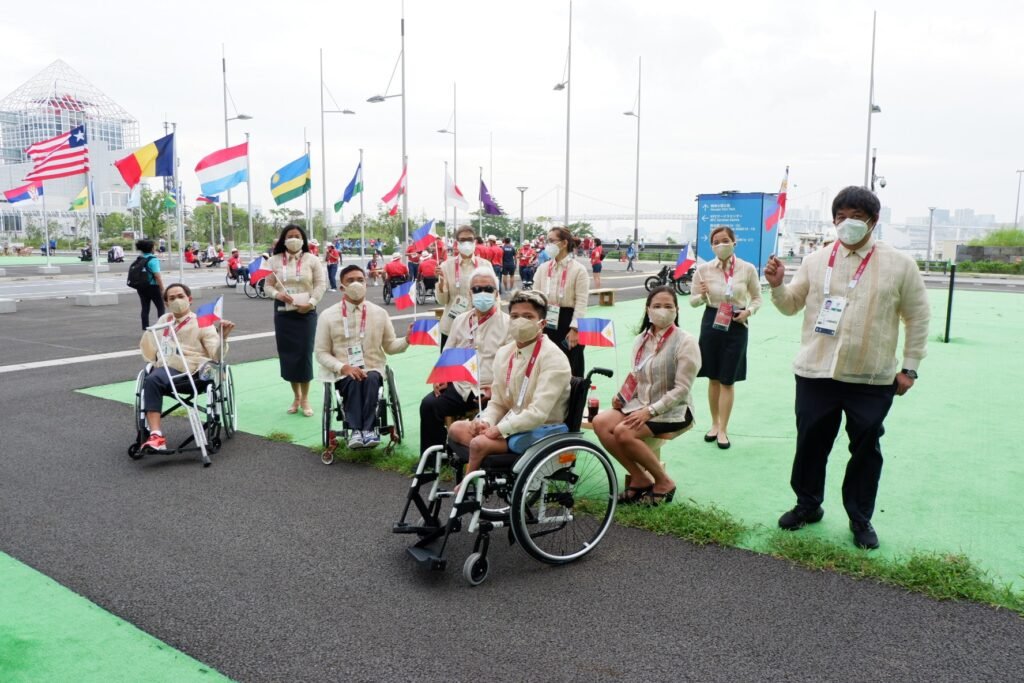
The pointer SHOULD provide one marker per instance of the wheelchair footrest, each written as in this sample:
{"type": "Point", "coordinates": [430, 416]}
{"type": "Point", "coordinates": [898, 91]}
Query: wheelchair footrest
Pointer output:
{"type": "Point", "coordinates": [427, 557]}
{"type": "Point", "coordinates": [403, 528]}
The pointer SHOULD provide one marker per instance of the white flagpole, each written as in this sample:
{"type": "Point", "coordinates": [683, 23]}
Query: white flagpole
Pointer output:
{"type": "Point", "coordinates": [362, 216]}
{"type": "Point", "coordinates": [92, 221]}
{"type": "Point", "coordinates": [177, 209]}
{"type": "Point", "coordinates": [480, 200]}
{"type": "Point", "coordinates": [248, 198]}
{"type": "Point", "coordinates": [46, 228]}
{"type": "Point", "coordinates": [446, 226]}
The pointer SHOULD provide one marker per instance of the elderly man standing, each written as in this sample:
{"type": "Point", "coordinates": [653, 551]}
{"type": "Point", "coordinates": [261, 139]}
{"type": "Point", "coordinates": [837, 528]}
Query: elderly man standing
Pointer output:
{"type": "Point", "coordinates": [854, 294]}
{"type": "Point", "coordinates": [485, 328]}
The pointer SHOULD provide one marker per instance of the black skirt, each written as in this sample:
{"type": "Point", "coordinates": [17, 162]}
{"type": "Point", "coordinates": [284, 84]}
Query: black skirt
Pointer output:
{"type": "Point", "coordinates": [723, 354]}
{"type": "Point", "coordinates": [295, 333]}
{"type": "Point", "coordinates": [559, 334]}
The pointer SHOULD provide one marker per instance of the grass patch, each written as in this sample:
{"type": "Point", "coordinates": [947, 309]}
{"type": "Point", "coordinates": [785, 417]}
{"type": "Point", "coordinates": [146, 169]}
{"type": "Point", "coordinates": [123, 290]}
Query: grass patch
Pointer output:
{"type": "Point", "coordinates": [939, 576]}
{"type": "Point", "coordinates": [398, 460]}
{"type": "Point", "coordinates": [700, 525]}
{"type": "Point", "coordinates": [279, 437]}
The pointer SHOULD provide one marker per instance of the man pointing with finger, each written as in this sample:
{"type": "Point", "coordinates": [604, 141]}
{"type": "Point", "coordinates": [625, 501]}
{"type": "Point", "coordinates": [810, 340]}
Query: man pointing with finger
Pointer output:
{"type": "Point", "coordinates": [854, 294]}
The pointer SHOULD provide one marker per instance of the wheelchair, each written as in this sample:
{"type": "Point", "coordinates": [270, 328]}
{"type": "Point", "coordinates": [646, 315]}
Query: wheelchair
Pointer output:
{"type": "Point", "coordinates": [425, 290]}
{"type": "Point", "coordinates": [389, 287]}
{"type": "Point", "coordinates": [231, 279]}
{"type": "Point", "coordinates": [254, 291]}
{"type": "Point", "coordinates": [388, 421]}
{"type": "Point", "coordinates": [557, 499]}
{"type": "Point", "coordinates": [211, 411]}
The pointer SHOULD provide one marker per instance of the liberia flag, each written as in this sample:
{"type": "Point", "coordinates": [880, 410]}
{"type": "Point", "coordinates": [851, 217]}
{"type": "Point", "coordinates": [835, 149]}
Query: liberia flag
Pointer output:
{"type": "Point", "coordinates": [596, 332]}
{"type": "Point", "coordinates": [683, 263]}
{"type": "Point", "coordinates": [210, 313]}
{"type": "Point", "coordinates": [391, 198]}
{"type": "Point", "coordinates": [59, 157]}
{"type": "Point", "coordinates": [403, 295]}
{"type": "Point", "coordinates": [455, 365]}
{"type": "Point", "coordinates": [425, 333]}
{"type": "Point", "coordinates": [258, 270]}
{"type": "Point", "coordinates": [780, 205]}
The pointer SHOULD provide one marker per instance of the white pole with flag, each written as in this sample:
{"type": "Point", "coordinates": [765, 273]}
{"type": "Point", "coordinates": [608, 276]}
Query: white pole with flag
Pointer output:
{"type": "Point", "coordinates": [220, 222]}
{"type": "Point", "coordinates": [362, 216]}
{"type": "Point", "coordinates": [248, 198]}
{"type": "Point", "coordinates": [446, 198]}
{"type": "Point", "coordinates": [177, 207]}
{"type": "Point", "coordinates": [46, 228]}
{"type": "Point", "coordinates": [309, 198]}
{"type": "Point", "coordinates": [480, 200]}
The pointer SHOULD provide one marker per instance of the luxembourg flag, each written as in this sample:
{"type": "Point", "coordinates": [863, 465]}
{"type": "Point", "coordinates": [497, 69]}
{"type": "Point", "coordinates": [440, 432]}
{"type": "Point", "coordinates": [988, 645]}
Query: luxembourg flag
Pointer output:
{"type": "Point", "coordinates": [596, 332]}
{"type": "Point", "coordinates": [684, 263]}
{"type": "Point", "coordinates": [210, 313]}
{"type": "Point", "coordinates": [425, 333]}
{"type": "Point", "coordinates": [403, 295]}
{"type": "Point", "coordinates": [257, 270]}
{"type": "Point", "coordinates": [421, 239]}
{"type": "Point", "coordinates": [222, 170]}
{"type": "Point", "coordinates": [455, 365]}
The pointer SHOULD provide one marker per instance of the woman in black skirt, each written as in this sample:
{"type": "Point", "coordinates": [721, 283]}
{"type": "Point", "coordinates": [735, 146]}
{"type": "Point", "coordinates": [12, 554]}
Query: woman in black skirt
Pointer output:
{"type": "Point", "coordinates": [566, 284]}
{"type": "Point", "coordinates": [297, 284]}
{"type": "Point", "coordinates": [730, 290]}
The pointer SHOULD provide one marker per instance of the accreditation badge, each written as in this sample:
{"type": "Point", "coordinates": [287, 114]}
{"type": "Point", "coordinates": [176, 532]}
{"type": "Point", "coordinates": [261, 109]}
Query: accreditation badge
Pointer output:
{"type": "Point", "coordinates": [551, 319]}
{"type": "Point", "coordinates": [459, 306]}
{"type": "Point", "coordinates": [628, 389]}
{"type": "Point", "coordinates": [830, 314]}
{"type": "Point", "coordinates": [723, 318]}
{"type": "Point", "coordinates": [355, 356]}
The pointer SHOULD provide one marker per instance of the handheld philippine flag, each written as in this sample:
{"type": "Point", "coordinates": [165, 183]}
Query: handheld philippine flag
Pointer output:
{"type": "Point", "coordinates": [391, 198]}
{"type": "Point", "coordinates": [596, 332]}
{"type": "Point", "coordinates": [425, 333]}
{"type": "Point", "coordinates": [210, 313]}
{"type": "Point", "coordinates": [490, 206]}
{"type": "Point", "coordinates": [780, 205]}
{"type": "Point", "coordinates": [422, 237]}
{"type": "Point", "coordinates": [455, 365]}
{"type": "Point", "coordinates": [150, 161]}
{"type": "Point", "coordinates": [81, 202]}
{"type": "Point", "coordinates": [291, 180]}
{"type": "Point", "coordinates": [354, 187]}
{"type": "Point", "coordinates": [454, 194]}
{"type": "Point", "coordinates": [683, 263]}
{"type": "Point", "coordinates": [20, 194]}
{"type": "Point", "coordinates": [222, 170]}
{"type": "Point", "coordinates": [258, 270]}
{"type": "Point", "coordinates": [403, 295]}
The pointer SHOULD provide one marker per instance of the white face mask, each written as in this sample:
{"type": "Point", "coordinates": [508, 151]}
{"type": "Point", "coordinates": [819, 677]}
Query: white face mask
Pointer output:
{"type": "Point", "coordinates": [724, 250]}
{"type": "Point", "coordinates": [178, 306]}
{"type": "Point", "coordinates": [467, 247]}
{"type": "Point", "coordinates": [851, 231]}
{"type": "Point", "coordinates": [356, 291]}
{"type": "Point", "coordinates": [661, 317]}
{"type": "Point", "coordinates": [523, 329]}
{"type": "Point", "coordinates": [552, 250]}
{"type": "Point", "coordinates": [293, 244]}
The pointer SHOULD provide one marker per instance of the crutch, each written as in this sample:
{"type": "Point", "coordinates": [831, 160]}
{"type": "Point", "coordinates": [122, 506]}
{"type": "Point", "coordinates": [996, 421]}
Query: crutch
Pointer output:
{"type": "Point", "coordinates": [198, 433]}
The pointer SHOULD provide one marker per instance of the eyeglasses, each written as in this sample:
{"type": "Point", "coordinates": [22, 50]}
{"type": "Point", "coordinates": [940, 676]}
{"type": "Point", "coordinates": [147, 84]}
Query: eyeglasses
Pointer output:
{"type": "Point", "coordinates": [481, 289]}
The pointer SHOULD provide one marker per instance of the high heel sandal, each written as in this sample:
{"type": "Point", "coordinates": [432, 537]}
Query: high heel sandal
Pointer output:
{"type": "Point", "coordinates": [294, 407]}
{"type": "Point", "coordinates": [653, 499]}
{"type": "Point", "coordinates": [638, 494]}
{"type": "Point", "coordinates": [306, 409]}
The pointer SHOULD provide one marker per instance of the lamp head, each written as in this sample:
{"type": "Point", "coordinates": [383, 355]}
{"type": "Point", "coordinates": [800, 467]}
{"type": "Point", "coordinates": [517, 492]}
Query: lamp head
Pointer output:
{"type": "Point", "coordinates": [375, 99]}
{"type": "Point", "coordinates": [347, 111]}
{"type": "Point", "coordinates": [875, 109]}
{"type": "Point", "coordinates": [631, 113]}
{"type": "Point", "coordinates": [560, 86]}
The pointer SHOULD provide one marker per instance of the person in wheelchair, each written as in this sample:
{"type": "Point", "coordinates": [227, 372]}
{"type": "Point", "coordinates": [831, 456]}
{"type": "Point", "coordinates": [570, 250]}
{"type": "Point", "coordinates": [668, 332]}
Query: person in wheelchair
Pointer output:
{"type": "Point", "coordinates": [351, 342]}
{"type": "Point", "coordinates": [530, 392]}
{"type": "Point", "coordinates": [484, 328]}
{"type": "Point", "coordinates": [427, 272]}
{"type": "Point", "coordinates": [200, 345]}
{"type": "Point", "coordinates": [654, 401]}
{"type": "Point", "coordinates": [395, 271]}
{"type": "Point", "coordinates": [235, 270]}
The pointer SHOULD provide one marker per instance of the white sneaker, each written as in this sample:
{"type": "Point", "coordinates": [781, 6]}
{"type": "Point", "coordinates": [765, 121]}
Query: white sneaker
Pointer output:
{"type": "Point", "coordinates": [370, 439]}
{"type": "Point", "coordinates": [355, 441]}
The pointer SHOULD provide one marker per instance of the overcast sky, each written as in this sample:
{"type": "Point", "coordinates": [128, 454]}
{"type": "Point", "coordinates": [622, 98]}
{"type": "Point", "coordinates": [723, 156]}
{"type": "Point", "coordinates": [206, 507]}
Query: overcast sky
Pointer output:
{"type": "Point", "coordinates": [732, 93]}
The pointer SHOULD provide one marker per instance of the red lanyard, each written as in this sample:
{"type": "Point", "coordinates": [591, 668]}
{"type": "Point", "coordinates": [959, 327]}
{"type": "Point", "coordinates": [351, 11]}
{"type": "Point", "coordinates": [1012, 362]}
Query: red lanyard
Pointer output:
{"type": "Point", "coordinates": [344, 319]}
{"type": "Point", "coordinates": [640, 352]}
{"type": "Point", "coordinates": [475, 323]}
{"type": "Point", "coordinates": [167, 330]}
{"type": "Point", "coordinates": [284, 265]}
{"type": "Point", "coordinates": [856, 275]}
{"type": "Point", "coordinates": [560, 292]}
{"type": "Point", "coordinates": [728, 276]}
{"type": "Point", "coordinates": [529, 371]}
{"type": "Point", "coordinates": [458, 278]}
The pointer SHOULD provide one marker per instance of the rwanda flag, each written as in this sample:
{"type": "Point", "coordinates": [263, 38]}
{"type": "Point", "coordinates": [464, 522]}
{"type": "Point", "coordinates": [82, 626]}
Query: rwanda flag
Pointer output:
{"type": "Point", "coordinates": [291, 181]}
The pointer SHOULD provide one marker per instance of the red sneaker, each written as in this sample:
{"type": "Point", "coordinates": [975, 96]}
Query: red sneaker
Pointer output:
{"type": "Point", "coordinates": [155, 442]}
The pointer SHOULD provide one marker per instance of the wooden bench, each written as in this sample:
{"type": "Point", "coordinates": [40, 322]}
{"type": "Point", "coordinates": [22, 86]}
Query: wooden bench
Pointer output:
{"type": "Point", "coordinates": [605, 296]}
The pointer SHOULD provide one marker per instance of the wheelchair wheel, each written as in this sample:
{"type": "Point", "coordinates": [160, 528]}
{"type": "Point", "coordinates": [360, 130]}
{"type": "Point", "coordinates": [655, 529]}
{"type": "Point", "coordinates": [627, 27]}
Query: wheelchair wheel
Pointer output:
{"type": "Point", "coordinates": [387, 292]}
{"type": "Point", "coordinates": [326, 422]}
{"type": "Point", "coordinates": [227, 403]}
{"type": "Point", "coordinates": [230, 281]}
{"type": "Point", "coordinates": [563, 501]}
{"type": "Point", "coordinates": [395, 406]}
{"type": "Point", "coordinates": [250, 290]}
{"type": "Point", "coordinates": [683, 287]}
{"type": "Point", "coordinates": [474, 570]}
{"type": "Point", "coordinates": [421, 293]}
{"type": "Point", "coordinates": [261, 289]}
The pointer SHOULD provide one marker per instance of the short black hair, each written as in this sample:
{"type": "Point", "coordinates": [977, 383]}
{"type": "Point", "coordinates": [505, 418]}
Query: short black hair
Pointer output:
{"type": "Point", "coordinates": [531, 297]}
{"type": "Point", "coordinates": [597, 241]}
{"type": "Point", "coordinates": [182, 285]}
{"type": "Point", "coordinates": [144, 245]}
{"type": "Point", "coordinates": [279, 245]}
{"type": "Point", "coordinates": [348, 269]}
{"type": "Point", "coordinates": [857, 198]}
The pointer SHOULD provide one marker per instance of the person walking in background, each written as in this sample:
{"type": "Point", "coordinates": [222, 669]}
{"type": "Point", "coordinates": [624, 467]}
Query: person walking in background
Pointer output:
{"type": "Point", "coordinates": [413, 259]}
{"type": "Point", "coordinates": [854, 295]}
{"type": "Point", "coordinates": [296, 284]}
{"type": "Point", "coordinates": [596, 257]}
{"type": "Point", "coordinates": [508, 264]}
{"type": "Point", "coordinates": [730, 291]}
{"type": "Point", "coordinates": [152, 291]}
{"type": "Point", "coordinates": [630, 256]}
{"type": "Point", "coordinates": [564, 281]}
{"type": "Point", "coordinates": [494, 255]}
{"type": "Point", "coordinates": [332, 259]}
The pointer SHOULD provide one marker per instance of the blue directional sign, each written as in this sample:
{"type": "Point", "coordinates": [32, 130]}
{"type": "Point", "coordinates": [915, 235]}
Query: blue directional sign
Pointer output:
{"type": "Point", "coordinates": [745, 213]}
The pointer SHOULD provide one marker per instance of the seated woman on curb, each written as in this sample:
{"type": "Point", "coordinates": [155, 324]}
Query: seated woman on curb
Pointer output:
{"type": "Point", "coordinates": [530, 393]}
{"type": "Point", "coordinates": [200, 345]}
{"type": "Point", "coordinates": [654, 400]}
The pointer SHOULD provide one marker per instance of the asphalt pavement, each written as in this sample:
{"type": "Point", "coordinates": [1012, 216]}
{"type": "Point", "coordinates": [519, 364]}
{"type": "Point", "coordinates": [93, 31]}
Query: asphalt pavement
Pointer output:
{"type": "Point", "coordinates": [270, 566]}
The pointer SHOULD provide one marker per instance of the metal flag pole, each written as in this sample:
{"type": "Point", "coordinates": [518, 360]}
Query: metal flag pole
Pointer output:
{"type": "Point", "coordinates": [92, 221]}
{"type": "Point", "coordinates": [455, 153]}
{"type": "Point", "coordinates": [224, 74]}
{"type": "Point", "coordinates": [480, 201]}
{"type": "Point", "coordinates": [220, 222]}
{"type": "Point", "coordinates": [309, 196]}
{"type": "Point", "coordinates": [46, 228]}
{"type": "Point", "coordinates": [248, 192]}
{"type": "Point", "coordinates": [568, 111]}
{"type": "Point", "coordinates": [323, 149]}
{"type": "Point", "coordinates": [362, 216]}
{"type": "Point", "coordinates": [446, 198]}
{"type": "Point", "coordinates": [405, 156]}
{"type": "Point", "coordinates": [177, 208]}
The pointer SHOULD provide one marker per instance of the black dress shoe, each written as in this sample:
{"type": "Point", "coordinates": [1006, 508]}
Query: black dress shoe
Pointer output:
{"type": "Point", "coordinates": [711, 437]}
{"type": "Point", "coordinates": [864, 535]}
{"type": "Point", "coordinates": [798, 517]}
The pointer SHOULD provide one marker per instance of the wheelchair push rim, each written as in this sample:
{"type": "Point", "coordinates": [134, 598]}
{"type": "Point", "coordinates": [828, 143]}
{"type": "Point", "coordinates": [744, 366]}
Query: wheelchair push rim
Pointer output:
{"type": "Point", "coordinates": [563, 502]}
{"type": "Point", "coordinates": [326, 435]}
{"type": "Point", "coordinates": [227, 403]}
{"type": "Point", "coordinates": [395, 406]}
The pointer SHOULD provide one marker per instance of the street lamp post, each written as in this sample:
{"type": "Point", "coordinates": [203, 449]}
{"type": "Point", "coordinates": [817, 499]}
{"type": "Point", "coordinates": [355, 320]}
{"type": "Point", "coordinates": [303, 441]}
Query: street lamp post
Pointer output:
{"type": "Point", "coordinates": [455, 151]}
{"type": "Point", "coordinates": [237, 117]}
{"type": "Point", "coordinates": [323, 143]}
{"type": "Point", "coordinates": [931, 218]}
{"type": "Point", "coordinates": [522, 214]}
{"type": "Point", "coordinates": [566, 85]}
{"type": "Point", "coordinates": [1016, 213]}
{"type": "Point", "coordinates": [636, 113]}
{"type": "Point", "coordinates": [872, 107]}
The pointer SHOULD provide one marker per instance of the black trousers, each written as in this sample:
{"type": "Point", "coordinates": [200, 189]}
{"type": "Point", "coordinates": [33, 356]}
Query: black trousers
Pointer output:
{"type": "Point", "coordinates": [820, 406]}
{"type": "Point", "coordinates": [360, 398]}
{"type": "Point", "coordinates": [156, 385]}
{"type": "Point", "coordinates": [559, 334]}
{"type": "Point", "coordinates": [147, 295]}
{"type": "Point", "coordinates": [433, 411]}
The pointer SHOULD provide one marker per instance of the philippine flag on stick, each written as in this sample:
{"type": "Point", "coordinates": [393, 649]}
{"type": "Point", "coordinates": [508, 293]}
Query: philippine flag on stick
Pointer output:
{"type": "Point", "coordinates": [421, 238]}
{"type": "Point", "coordinates": [210, 313]}
{"type": "Point", "coordinates": [403, 295]}
{"type": "Point", "coordinates": [425, 333]}
{"type": "Point", "coordinates": [683, 263]}
{"type": "Point", "coordinates": [596, 332]}
{"type": "Point", "coordinates": [257, 270]}
{"type": "Point", "coordinates": [455, 365]}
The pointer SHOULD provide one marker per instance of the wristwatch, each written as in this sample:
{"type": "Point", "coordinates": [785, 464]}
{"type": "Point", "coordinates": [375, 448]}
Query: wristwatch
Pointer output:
{"type": "Point", "coordinates": [912, 374]}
